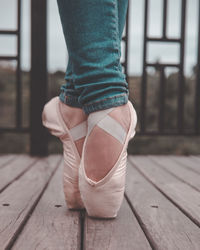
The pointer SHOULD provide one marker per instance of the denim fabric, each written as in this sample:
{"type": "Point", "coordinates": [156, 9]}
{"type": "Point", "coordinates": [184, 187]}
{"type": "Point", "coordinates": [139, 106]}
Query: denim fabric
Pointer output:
{"type": "Point", "coordinates": [93, 32]}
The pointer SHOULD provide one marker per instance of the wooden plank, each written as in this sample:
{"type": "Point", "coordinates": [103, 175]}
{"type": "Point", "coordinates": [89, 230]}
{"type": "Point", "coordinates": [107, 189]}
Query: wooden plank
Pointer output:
{"type": "Point", "coordinates": [5, 159]}
{"type": "Point", "coordinates": [187, 162]}
{"type": "Point", "coordinates": [164, 224]}
{"type": "Point", "coordinates": [121, 233]}
{"type": "Point", "coordinates": [181, 194]}
{"type": "Point", "coordinates": [52, 225]}
{"type": "Point", "coordinates": [183, 173]}
{"type": "Point", "coordinates": [18, 200]}
{"type": "Point", "coordinates": [15, 169]}
{"type": "Point", "coordinates": [196, 158]}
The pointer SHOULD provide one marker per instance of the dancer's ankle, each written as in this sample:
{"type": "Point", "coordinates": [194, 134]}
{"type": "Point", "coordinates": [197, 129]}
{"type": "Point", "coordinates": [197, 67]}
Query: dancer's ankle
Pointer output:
{"type": "Point", "coordinates": [72, 115]}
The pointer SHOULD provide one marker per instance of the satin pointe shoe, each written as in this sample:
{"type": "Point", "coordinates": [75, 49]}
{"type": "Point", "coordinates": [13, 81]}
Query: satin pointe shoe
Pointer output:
{"type": "Point", "coordinates": [103, 198]}
{"type": "Point", "coordinates": [52, 119]}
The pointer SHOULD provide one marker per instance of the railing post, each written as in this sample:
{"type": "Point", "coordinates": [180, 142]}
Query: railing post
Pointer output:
{"type": "Point", "coordinates": [197, 92]}
{"type": "Point", "coordinates": [38, 89]}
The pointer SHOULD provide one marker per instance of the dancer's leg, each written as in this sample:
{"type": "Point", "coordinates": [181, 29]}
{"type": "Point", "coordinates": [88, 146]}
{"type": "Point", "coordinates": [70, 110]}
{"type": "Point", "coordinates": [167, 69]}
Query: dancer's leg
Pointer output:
{"type": "Point", "coordinates": [122, 11]}
{"type": "Point", "coordinates": [68, 94]}
{"type": "Point", "coordinates": [71, 109]}
{"type": "Point", "coordinates": [68, 87]}
{"type": "Point", "coordinates": [92, 37]}
{"type": "Point", "coordinates": [107, 147]}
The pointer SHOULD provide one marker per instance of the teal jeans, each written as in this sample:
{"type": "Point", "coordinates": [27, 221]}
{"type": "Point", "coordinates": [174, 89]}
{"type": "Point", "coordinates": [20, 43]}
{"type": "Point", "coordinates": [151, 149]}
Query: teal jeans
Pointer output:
{"type": "Point", "coordinates": [93, 32]}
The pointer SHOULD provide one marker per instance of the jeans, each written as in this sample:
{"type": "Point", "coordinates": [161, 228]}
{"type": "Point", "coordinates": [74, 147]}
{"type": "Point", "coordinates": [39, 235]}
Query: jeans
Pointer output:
{"type": "Point", "coordinates": [93, 33]}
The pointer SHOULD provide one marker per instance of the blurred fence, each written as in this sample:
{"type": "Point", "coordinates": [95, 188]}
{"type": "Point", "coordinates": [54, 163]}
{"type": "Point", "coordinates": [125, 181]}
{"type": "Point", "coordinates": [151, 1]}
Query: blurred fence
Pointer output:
{"type": "Point", "coordinates": [38, 83]}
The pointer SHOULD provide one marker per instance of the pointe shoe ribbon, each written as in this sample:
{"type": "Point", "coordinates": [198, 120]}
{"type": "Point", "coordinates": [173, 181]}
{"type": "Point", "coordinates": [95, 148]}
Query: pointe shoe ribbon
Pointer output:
{"type": "Point", "coordinates": [102, 199]}
{"type": "Point", "coordinates": [52, 119]}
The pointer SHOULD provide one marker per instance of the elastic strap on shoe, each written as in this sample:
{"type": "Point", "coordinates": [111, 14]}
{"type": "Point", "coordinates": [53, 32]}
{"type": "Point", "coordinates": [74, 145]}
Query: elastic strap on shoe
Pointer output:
{"type": "Point", "coordinates": [95, 117]}
{"type": "Point", "coordinates": [79, 131]}
{"type": "Point", "coordinates": [107, 123]}
{"type": "Point", "coordinates": [113, 127]}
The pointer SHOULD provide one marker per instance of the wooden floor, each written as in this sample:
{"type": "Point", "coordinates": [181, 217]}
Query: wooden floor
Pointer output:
{"type": "Point", "coordinates": [161, 208]}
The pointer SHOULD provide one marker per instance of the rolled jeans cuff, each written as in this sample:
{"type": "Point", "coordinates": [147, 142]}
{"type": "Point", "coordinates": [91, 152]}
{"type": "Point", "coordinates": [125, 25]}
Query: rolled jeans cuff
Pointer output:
{"type": "Point", "coordinates": [108, 102]}
{"type": "Point", "coordinates": [70, 100]}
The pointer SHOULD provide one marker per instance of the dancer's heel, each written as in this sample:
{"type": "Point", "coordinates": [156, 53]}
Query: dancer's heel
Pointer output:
{"type": "Point", "coordinates": [52, 120]}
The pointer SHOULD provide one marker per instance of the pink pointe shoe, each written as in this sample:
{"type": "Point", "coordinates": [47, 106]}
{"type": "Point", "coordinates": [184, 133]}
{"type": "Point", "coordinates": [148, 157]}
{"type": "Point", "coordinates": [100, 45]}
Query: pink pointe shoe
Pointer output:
{"type": "Point", "coordinates": [52, 119]}
{"type": "Point", "coordinates": [102, 199]}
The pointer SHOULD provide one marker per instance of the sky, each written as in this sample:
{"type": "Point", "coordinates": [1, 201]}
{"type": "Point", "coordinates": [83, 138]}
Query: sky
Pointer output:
{"type": "Point", "coordinates": [57, 52]}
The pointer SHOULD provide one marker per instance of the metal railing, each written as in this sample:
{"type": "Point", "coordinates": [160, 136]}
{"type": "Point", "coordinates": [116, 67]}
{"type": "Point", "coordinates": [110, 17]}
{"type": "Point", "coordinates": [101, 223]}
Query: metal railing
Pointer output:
{"type": "Point", "coordinates": [38, 86]}
{"type": "Point", "coordinates": [161, 67]}
{"type": "Point", "coordinates": [39, 82]}
{"type": "Point", "coordinates": [17, 33]}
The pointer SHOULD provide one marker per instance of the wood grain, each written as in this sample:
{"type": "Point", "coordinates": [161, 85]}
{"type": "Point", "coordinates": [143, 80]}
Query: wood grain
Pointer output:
{"type": "Point", "coordinates": [121, 233]}
{"type": "Point", "coordinates": [19, 198]}
{"type": "Point", "coordinates": [14, 169]}
{"type": "Point", "coordinates": [180, 171]}
{"type": "Point", "coordinates": [52, 225]}
{"type": "Point", "coordinates": [164, 224]}
{"type": "Point", "coordinates": [188, 162]}
{"type": "Point", "coordinates": [183, 195]}
{"type": "Point", "coordinates": [4, 159]}
{"type": "Point", "coordinates": [161, 210]}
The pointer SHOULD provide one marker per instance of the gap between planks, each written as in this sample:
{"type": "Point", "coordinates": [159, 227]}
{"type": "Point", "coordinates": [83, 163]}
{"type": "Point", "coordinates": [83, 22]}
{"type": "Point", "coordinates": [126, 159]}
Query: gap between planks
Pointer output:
{"type": "Point", "coordinates": [20, 198]}
{"type": "Point", "coordinates": [182, 195]}
{"type": "Point", "coordinates": [5, 159]}
{"type": "Point", "coordinates": [164, 224]}
{"type": "Point", "coordinates": [15, 170]}
{"type": "Point", "coordinates": [51, 225]}
{"type": "Point", "coordinates": [181, 172]}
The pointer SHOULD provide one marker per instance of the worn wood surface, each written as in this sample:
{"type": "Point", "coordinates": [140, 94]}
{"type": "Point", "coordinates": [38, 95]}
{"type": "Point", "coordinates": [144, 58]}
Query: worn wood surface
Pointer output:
{"type": "Point", "coordinates": [14, 169]}
{"type": "Point", "coordinates": [195, 157]}
{"type": "Point", "coordinates": [165, 225]}
{"type": "Point", "coordinates": [121, 233]}
{"type": "Point", "coordinates": [52, 225]}
{"type": "Point", "coordinates": [4, 159]}
{"type": "Point", "coordinates": [19, 198]}
{"type": "Point", "coordinates": [192, 163]}
{"type": "Point", "coordinates": [180, 193]}
{"type": "Point", "coordinates": [161, 207]}
{"type": "Point", "coordinates": [179, 171]}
